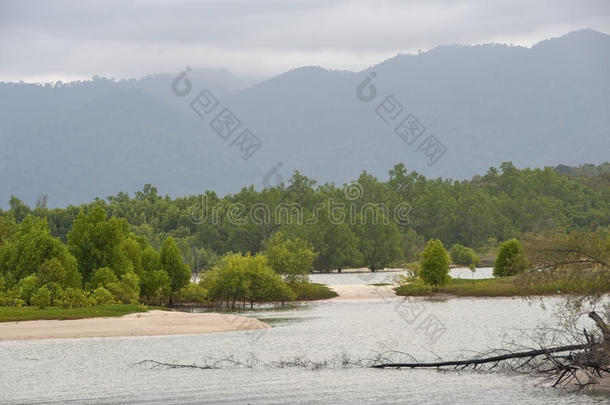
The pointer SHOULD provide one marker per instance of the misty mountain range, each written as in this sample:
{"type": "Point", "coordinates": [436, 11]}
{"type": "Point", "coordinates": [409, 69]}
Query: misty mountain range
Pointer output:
{"type": "Point", "coordinates": [545, 105]}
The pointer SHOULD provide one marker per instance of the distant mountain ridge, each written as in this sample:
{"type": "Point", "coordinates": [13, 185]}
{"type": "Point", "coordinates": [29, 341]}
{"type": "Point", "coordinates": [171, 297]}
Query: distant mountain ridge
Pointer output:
{"type": "Point", "coordinates": [545, 105]}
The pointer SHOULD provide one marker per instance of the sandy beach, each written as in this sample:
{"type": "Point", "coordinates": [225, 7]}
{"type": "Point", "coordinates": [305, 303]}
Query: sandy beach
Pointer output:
{"type": "Point", "coordinates": [150, 323]}
{"type": "Point", "coordinates": [359, 292]}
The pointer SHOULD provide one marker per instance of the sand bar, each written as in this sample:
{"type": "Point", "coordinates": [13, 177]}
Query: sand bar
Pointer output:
{"type": "Point", "coordinates": [151, 323]}
{"type": "Point", "coordinates": [359, 292]}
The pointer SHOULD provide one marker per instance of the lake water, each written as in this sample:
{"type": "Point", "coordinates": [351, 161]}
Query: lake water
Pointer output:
{"type": "Point", "coordinates": [101, 370]}
{"type": "Point", "coordinates": [367, 277]}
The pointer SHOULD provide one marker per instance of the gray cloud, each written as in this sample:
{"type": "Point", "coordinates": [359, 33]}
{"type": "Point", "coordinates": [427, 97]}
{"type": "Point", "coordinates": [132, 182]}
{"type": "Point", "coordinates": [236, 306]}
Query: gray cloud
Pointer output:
{"type": "Point", "coordinates": [41, 40]}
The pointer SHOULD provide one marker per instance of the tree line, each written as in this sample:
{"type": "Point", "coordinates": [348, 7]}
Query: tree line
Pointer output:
{"type": "Point", "coordinates": [145, 247]}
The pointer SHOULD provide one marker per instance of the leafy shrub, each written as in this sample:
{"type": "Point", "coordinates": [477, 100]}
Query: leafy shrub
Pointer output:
{"type": "Point", "coordinates": [101, 296]}
{"type": "Point", "coordinates": [417, 288]}
{"type": "Point", "coordinates": [41, 298]}
{"type": "Point", "coordinates": [75, 298]}
{"type": "Point", "coordinates": [7, 299]}
{"type": "Point", "coordinates": [156, 286]}
{"type": "Point", "coordinates": [126, 291]}
{"type": "Point", "coordinates": [463, 255]}
{"type": "Point", "coordinates": [57, 293]}
{"type": "Point", "coordinates": [102, 277]}
{"type": "Point", "coordinates": [193, 293]}
{"type": "Point", "coordinates": [434, 264]}
{"type": "Point", "coordinates": [310, 291]}
{"type": "Point", "coordinates": [51, 270]}
{"type": "Point", "coordinates": [27, 287]}
{"type": "Point", "coordinates": [510, 260]}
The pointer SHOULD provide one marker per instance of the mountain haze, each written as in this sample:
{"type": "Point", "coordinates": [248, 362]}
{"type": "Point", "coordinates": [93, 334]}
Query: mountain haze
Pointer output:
{"type": "Point", "coordinates": [545, 105]}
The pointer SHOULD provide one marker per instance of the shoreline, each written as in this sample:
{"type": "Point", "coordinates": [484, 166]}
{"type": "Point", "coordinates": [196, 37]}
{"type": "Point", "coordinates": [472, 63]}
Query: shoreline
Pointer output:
{"type": "Point", "coordinates": [361, 291]}
{"type": "Point", "coordinates": [151, 323]}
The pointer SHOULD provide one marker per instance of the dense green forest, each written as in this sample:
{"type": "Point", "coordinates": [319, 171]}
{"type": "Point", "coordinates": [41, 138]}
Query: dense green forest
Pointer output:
{"type": "Point", "coordinates": [124, 247]}
{"type": "Point", "coordinates": [502, 204]}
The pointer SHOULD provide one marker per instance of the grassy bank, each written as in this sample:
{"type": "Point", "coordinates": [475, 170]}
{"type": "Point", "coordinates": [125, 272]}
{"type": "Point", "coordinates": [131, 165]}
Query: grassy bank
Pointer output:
{"type": "Point", "coordinates": [495, 287]}
{"type": "Point", "coordinates": [313, 291]}
{"type": "Point", "coordinates": [12, 314]}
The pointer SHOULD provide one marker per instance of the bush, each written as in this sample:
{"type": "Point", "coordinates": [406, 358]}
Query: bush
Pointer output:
{"type": "Point", "coordinates": [27, 287]}
{"type": "Point", "coordinates": [75, 298]}
{"type": "Point", "coordinates": [51, 270]}
{"type": "Point", "coordinates": [101, 296]}
{"type": "Point", "coordinates": [57, 292]}
{"type": "Point", "coordinates": [41, 298]}
{"type": "Point", "coordinates": [193, 293]}
{"type": "Point", "coordinates": [156, 286]}
{"type": "Point", "coordinates": [127, 290]}
{"type": "Point", "coordinates": [102, 277]}
{"type": "Point", "coordinates": [417, 288]}
{"type": "Point", "coordinates": [434, 264]}
{"type": "Point", "coordinates": [304, 291]}
{"type": "Point", "coordinates": [7, 300]}
{"type": "Point", "coordinates": [510, 260]}
{"type": "Point", "coordinates": [464, 256]}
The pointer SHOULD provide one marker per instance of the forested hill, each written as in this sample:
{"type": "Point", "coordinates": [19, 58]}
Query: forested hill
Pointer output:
{"type": "Point", "coordinates": [538, 106]}
{"type": "Point", "coordinates": [347, 225]}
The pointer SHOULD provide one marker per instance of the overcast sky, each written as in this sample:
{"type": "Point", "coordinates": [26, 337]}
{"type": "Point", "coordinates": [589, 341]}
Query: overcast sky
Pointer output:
{"type": "Point", "coordinates": [67, 40]}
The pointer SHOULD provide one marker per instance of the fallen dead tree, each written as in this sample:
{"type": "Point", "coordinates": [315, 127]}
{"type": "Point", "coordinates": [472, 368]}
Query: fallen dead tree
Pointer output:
{"type": "Point", "coordinates": [484, 360]}
{"type": "Point", "coordinates": [578, 365]}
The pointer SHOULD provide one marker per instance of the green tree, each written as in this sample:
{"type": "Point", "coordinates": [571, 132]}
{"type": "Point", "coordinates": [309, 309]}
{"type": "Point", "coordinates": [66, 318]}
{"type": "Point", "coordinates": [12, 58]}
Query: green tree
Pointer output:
{"type": "Point", "coordinates": [18, 208]}
{"type": "Point", "coordinates": [101, 296]}
{"type": "Point", "coordinates": [380, 244]}
{"type": "Point", "coordinates": [26, 287]}
{"type": "Point", "coordinates": [102, 277]}
{"type": "Point", "coordinates": [464, 256]}
{"type": "Point", "coordinates": [52, 270]}
{"type": "Point", "coordinates": [510, 259]}
{"type": "Point", "coordinates": [157, 287]}
{"type": "Point", "coordinates": [291, 258]}
{"type": "Point", "coordinates": [97, 242]}
{"type": "Point", "coordinates": [339, 248]}
{"type": "Point", "coordinates": [228, 281]}
{"type": "Point", "coordinates": [171, 261]}
{"type": "Point", "coordinates": [127, 290]}
{"type": "Point", "coordinates": [29, 248]}
{"type": "Point", "coordinates": [75, 298]}
{"type": "Point", "coordinates": [263, 283]}
{"type": "Point", "coordinates": [247, 278]}
{"type": "Point", "coordinates": [434, 264]}
{"type": "Point", "coordinates": [193, 293]}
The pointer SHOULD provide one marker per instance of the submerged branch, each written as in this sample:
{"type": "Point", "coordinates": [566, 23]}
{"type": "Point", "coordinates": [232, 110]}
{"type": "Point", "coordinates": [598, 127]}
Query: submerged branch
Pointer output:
{"type": "Point", "coordinates": [491, 359]}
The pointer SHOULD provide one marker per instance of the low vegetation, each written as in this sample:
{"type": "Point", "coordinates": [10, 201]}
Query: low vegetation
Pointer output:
{"type": "Point", "coordinates": [12, 314]}
{"type": "Point", "coordinates": [549, 264]}
{"type": "Point", "coordinates": [511, 286]}
{"type": "Point", "coordinates": [312, 291]}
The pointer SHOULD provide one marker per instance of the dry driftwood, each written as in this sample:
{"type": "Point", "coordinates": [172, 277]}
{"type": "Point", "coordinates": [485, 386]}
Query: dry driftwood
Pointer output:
{"type": "Point", "coordinates": [483, 360]}
{"type": "Point", "coordinates": [581, 366]}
